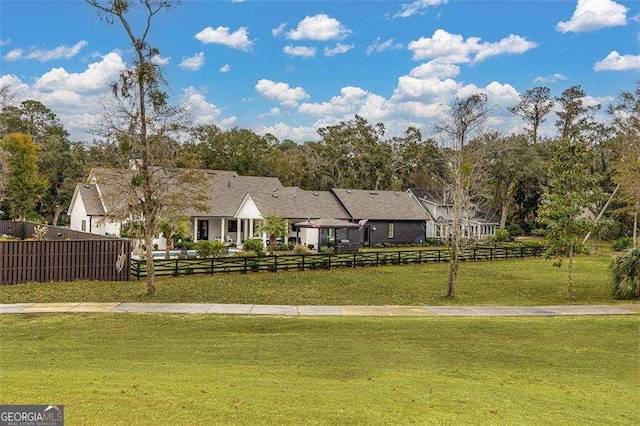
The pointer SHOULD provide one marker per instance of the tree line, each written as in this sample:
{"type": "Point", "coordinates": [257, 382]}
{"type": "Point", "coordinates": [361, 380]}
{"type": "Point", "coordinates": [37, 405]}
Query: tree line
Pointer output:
{"type": "Point", "coordinates": [41, 165]}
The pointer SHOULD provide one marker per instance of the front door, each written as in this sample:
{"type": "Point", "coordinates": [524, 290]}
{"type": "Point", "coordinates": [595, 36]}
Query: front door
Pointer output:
{"type": "Point", "coordinates": [367, 235]}
{"type": "Point", "coordinates": [203, 230]}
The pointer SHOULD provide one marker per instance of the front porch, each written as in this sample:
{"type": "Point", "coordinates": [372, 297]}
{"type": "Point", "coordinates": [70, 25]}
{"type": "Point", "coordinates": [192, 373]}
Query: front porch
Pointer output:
{"type": "Point", "coordinates": [229, 230]}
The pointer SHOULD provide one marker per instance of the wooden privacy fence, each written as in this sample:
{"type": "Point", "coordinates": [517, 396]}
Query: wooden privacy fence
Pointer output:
{"type": "Point", "coordinates": [64, 255]}
{"type": "Point", "coordinates": [304, 262]}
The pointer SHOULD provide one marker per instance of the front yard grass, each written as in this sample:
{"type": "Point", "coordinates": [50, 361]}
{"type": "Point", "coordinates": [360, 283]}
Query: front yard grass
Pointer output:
{"type": "Point", "coordinates": [525, 282]}
{"type": "Point", "coordinates": [195, 369]}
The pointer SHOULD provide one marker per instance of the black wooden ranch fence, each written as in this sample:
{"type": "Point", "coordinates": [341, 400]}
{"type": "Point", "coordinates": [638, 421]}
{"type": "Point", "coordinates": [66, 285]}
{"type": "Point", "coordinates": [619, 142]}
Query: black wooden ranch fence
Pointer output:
{"type": "Point", "coordinates": [64, 255]}
{"type": "Point", "coordinates": [304, 262]}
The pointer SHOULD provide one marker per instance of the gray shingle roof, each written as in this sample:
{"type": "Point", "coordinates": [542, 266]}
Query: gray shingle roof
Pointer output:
{"type": "Point", "coordinates": [380, 205]}
{"type": "Point", "coordinates": [91, 199]}
{"type": "Point", "coordinates": [224, 190]}
{"type": "Point", "coordinates": [440, 197]}
{"type": "Point", "coordinates": [295, 203]}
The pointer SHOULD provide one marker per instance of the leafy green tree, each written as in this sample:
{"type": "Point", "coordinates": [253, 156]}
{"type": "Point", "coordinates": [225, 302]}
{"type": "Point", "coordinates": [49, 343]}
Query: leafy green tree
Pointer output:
{"type": "Point", "coordinates": [533, 106]}
{"type": "Point", "coordinates": [626, 125]}
{"type": "Point", "coordinates": [416, 162]}
{"type": "Point", "coordinates": [510, 161]}
{"type": "Point", "coordinates": [24, 183]}
{"type": "Point", "coordinates": [172, 228]}
{"type": "Point", "coordinates": [275, 227]}
{"type": "Point", "coordinates": [572, 190]}
{"type": "Point", "coordinates": [575, 119]}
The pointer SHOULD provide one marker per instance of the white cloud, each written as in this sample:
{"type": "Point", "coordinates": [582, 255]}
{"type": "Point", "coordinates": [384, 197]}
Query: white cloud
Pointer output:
{"type": "Point", "coordinates": [5, 42]}
{"type": "Point", "coordinates": [238, 39]}
{"type": "Point", "coordinates": [159, 60]}
{"type": "Point", "coordinates": [418, 7]}
{"type": "Point", "coordinates": [278, 30]}
{"type": "Point", "coordinates": [616, 62]}
{"type": "Point", "coordinates": [271, 113]}
{"type": "Point", "coordinates": [338, 49]}
{"type": "Point", "coordinates": [196, 105]}
{"type": "Point", "coordinates": [591, 15]}
{"type": "Point", "coordinates": [225, 68]}
{"type": "Point", "coordinates": [425, 89]}
{"type": "Point", "coordinates": [228, 122]}
{"type": "Point", "coordinates": [435, 69]}
{"type": "Point", "coordinates": [319, 27]}
{"type": "Point", "coordinates": [453, 48]}
{"type": "Point", "coordinates": [304, 51]}
{"type": "Point", "coordinates": [193, 63]}
{"type": "Point", "coordinates": [281, 92]}
{"type": "Point", "coordinates": [60, 52]}
{"type": "Point", "coordinates": [283, 131]}
{"type": "Point", "coordinates": [596, 100]}
{"type": "Point", "coordinates": [96, 78]}
{"type": "Point", "coordinates": [348, 99]}
{"type": "Point", "coordinates": [550, 78]}
{"type": "Point", "coordinates": [380, 46]}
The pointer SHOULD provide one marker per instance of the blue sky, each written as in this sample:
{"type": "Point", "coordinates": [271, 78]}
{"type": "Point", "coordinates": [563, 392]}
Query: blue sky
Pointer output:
{"type": "Point", "coordinates": [290, 67]}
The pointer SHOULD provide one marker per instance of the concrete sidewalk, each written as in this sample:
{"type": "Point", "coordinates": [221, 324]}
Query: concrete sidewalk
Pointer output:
{"type": "Point", "coordinates": [231, 309]}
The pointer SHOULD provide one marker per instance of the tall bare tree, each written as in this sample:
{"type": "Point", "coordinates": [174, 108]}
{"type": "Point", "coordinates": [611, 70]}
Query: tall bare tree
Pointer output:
{"type": "Point", "coordinates": [142, 120]}
{"type": "Point", "coordinates": [463, 121]}
{"type": "Point", "coordinates": [533, 106]}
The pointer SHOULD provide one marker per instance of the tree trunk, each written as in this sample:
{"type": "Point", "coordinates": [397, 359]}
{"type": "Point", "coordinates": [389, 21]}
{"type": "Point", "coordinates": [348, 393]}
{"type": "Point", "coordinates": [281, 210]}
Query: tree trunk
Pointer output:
{"type": "Point", "coordinates": [569, 275]}
{"type": "Point", "coordinates": [150, 286]}
{"type": "Point", "coordinates": [56, 215]}
{"type": "Point", "coordinates": [455, 236]}
{"type": "Point", "coordinates": [504, 210]}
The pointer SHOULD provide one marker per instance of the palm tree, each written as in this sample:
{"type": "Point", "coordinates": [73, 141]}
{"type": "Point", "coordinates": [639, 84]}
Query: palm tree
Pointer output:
{"type": "Point", "coordinates": [275, 226]}
{"type": "Point", "coordinates": [626, 275]}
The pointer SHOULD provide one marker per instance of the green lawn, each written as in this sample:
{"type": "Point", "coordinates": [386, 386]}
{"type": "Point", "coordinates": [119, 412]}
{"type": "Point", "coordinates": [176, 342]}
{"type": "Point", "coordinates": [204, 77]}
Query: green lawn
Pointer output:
{"type": "Point", "coordinates": [524, 282]}
{"type": "Point", "coordinates": [194, 369]}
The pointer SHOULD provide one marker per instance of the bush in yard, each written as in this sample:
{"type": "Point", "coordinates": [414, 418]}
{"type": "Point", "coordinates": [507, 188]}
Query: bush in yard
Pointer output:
{"type": "Point", "coordinates": [515, 230]}
{"type": "Point", "coordinates": [300, 249]}
{"type": "Point", "coordinates": [207, 248]}
{"type": "Point", "coordinates": [622, 243]}
{"type": "Point", "coordinates": [626, 275]}
{"type": "Point", "coordinates": [255, 245]}
{"type": "Point", "coordinates": [245, 253]}
{"type": "Point", "coordinates": [502, 235]}
{"type": "Point", "coordinates": [326, 250]}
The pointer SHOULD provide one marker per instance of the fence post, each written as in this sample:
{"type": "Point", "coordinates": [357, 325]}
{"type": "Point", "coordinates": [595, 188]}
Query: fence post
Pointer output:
{"type": "Point", "coordinates": [506, 253]}
{"type": "Point", "coordinates": [329, 262]}
{"type": "Point", "coordinates": [491, 253]}
{"type": "Point", "coordinates": [399, 257]}
{"type": "Point", "coordinates": [377, 258]}
{"type": "Point", "coordinates": [212, 259]}
{"type": "Point", "coordinates": [439, 258]}
{"type": "Point", "coordinates": [275, 263]}
{"type": "Point", "coordinates": [354, 259]}
{"type": "Point", "coordinates": [474, 254]}
{"type": "Point", "coordinates": [244, 271]}
{"type": "Point", "coordinates": [521, 252]}
{"type": "Point", "coordinates": [419, 257]}
{"type": "Point", "coordinates": [303, 262]}
{"type": "Point", "coordinates": [175, 269]}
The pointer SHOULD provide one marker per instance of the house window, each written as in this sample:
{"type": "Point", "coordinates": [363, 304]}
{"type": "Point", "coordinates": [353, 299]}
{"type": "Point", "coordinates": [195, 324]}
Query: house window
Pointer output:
{"type": "Point", "coordinates": [232, 226]}
{"type": "Point", "coordinates": [391, 229]}
{"type": "Point", "coordinates": [84, 225]}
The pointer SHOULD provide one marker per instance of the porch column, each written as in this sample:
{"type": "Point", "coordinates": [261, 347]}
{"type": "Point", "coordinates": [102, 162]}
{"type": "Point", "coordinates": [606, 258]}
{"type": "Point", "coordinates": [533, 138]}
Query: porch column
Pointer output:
{"type": "Point", "coordinates": [239, 231]}
{"type": "Point", "coordinates": [195, 229]}
{"type": "Point", "coordinates": [222, 229]}
{"type": "Point", "coordinates": [250, 228]}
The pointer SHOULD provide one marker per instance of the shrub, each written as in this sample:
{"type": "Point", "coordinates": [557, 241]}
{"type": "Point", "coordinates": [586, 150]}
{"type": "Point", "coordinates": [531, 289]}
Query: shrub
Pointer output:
{"type": "Point", "coordinates": [502, 235]}
{"type": "Point", "coordinates": [187, 245]}
{"type": "Point", "coordinates": [625, 270]}
{"type": "Point", "coordinates": [300, 249]}
{"type": "Point", "coordinates": [207, 248]}
{"type": "Point", "coordinates": [255, 245]}
{"type": "Point", "coordinates": [515, 230]}
{"type": "Point", "coordinates": [326, 250]}
{"type": "Point", "coordinates": [622, 243]}
{"type": "Point", "coordinates": [311, 246]}
{"type": "Point", "coordinates": [245, 253]}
